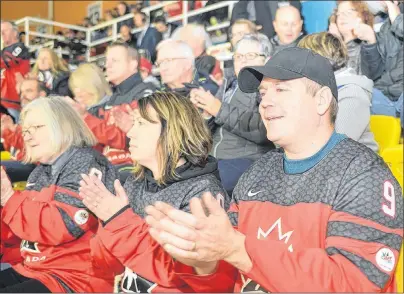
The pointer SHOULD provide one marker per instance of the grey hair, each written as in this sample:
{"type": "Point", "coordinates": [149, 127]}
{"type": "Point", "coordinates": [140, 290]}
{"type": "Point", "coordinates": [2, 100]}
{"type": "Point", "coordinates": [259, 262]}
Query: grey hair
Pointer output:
{"type": "Point", "coordinates": [263, 42]}
{"type": "Point", "coordinates": [67, 128]}
{"type": "Point", "coordinates": [198, 31]}
{"type": "Point", "coordinates": [184, 48]}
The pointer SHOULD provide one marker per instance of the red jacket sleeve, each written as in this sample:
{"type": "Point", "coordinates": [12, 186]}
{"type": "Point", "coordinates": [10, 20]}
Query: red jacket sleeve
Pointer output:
{"type": "Point", "coordinates": [14, 143]}
{"type": "Point", "coordinates": [48, 216]}
{"type": "Point", "coordinates": [108, 135]}
{"type": "Point", "coordinates": [9, 244]}
{"type": "Point", "coordinates": [127, 237]}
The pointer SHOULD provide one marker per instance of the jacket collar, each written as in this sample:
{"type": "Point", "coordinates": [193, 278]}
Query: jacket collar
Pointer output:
{"type": "Point", "coordinates": [128, 84]}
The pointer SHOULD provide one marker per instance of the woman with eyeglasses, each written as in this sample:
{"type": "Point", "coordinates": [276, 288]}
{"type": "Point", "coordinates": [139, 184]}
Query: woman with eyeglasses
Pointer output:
{"type": "Point", "coordinates": [240, 137]}
{"type": "Point", "coordinates": [343, 23]}
{"type": "Point", "coordinates": [170, 145]}
{"type": "Point", "coordinates": [49, 218]}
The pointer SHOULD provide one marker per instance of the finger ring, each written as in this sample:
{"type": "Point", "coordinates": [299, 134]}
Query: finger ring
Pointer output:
{"type": "Point", "coordinates": [194, 248]}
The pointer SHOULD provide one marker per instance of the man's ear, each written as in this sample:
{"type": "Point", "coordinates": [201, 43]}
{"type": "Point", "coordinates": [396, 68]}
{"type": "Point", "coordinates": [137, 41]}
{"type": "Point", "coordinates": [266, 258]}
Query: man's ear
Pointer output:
{"type": "Point", "coordinates": [323, 99]}
{"type": "Point", "coordinates": [42, 94]}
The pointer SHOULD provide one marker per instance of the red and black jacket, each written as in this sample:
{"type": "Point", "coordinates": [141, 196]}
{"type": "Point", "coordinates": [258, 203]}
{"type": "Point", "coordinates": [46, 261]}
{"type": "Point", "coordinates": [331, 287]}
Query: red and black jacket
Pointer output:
{"type": "Point", "coordinates": [337, 227]}
{"type": "Point", "coordinates": [54, 225]}
{"type": "Point", "coordinates": [100, 121]}
{"type": "Point", "coordinates": [124, 240]}
{"type": "Point", "coordinates": [14, 59]}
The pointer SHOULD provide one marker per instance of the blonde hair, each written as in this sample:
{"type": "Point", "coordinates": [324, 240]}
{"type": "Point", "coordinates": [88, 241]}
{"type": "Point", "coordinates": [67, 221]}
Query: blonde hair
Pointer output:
{"type": "Point", "coordinates": [184, 133]}
{"type": "Point", "coordinates": [67, 128]}
{"type": "Point", "coordinates": [57, 65]}
{"type": "Point", "coordinates": [90, 78]}
{"type": "Point", "coordinates": [328, 46]}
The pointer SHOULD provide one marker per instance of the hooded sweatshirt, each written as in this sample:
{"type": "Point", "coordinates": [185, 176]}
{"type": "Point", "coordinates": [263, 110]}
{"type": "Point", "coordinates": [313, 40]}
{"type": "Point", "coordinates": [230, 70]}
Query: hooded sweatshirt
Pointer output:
{"type": "Point", "coordinates": [123, 246]}
{"type": "Point", "coordinates": [354, 100]}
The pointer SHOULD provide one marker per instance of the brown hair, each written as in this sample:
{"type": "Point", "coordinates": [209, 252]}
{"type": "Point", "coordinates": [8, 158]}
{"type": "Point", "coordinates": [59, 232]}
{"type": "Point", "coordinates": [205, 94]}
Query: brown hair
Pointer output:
{"type": "Point", "coordinates": [251, 26]}
{"type": "Point", "coordinates": [184, 133]}
{"type": "Point", "coordinates": [361, 7]}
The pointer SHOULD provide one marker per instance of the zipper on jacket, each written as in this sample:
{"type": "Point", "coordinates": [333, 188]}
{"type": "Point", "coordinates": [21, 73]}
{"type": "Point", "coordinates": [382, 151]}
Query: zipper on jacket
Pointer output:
{"type": "Point", "coordinates": [221, 128]}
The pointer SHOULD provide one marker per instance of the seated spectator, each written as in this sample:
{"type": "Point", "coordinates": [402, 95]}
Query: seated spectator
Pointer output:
{"type": "Point", "coordinates": [176, 63]}
{"type": "Point", "coordinates": [262, 13]}
{"type": "Point", "coordinates": [89, 86]}
{"type": "Point", "coordinates": [11, 135]}
{"type": "Point", "coordinates": [239, 29]}
{"type": "Point", "coordinates": [149, 37]}
{"type": "Point", "coordinates": [48, 218]}
{"type": "Point", "coordinates": [240, 138]}
{"type": "Point", "coordinates": [30, 89]}
{"type": "Point", "coordinates": [145, 69]}
{"type": "Point", "coordinates": [198, 39]}
{"type": "Point", "coordinates": [14, 65]}
{"type": "Point", "coordinates": [170, 145]}
{"type": "Point", "coordinates": [124, 9]}
{"type": "Point", "coordinates": [342, 23]}
{"type": "Point", "coordinates": [109, 120]}
{"type": "Point", "coordinates": [50, 70]}
{"type": "Point", "coordinates": [354, 91]}
{"type": "Point", "coordinates": [288, 25]}
{"type": "Point", "coordinates": [164, 27]}
{"type": "Point", "coordinates": [127, 36]}
{"type": "Point", "coordinates": [288, 226]}
{"type": "Point", "coordinates": [382, 60]}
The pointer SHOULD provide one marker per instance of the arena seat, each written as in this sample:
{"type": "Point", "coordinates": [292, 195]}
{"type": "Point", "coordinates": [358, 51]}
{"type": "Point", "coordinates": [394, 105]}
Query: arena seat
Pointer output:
{"type": "Point", "coordinates": [386, 129]}
{"type": "Point", "coordinates": [393, 156]}
{"type": "Point", "coordinates": [5, 155]}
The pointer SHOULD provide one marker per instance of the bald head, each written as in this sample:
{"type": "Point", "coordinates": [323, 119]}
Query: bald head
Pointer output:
{"type": "Point", "coordinates": [9, 33]}
{"type": "Point", "coordinates": [288, 24]}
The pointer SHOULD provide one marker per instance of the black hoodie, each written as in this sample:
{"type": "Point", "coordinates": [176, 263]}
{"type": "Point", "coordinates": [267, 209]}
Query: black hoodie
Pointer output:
{"type": "Point", "coordinates": [192, 182]}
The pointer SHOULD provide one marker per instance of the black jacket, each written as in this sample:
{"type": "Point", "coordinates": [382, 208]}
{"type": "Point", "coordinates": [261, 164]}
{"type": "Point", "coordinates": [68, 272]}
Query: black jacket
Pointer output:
{"type": "Point", "coordinates": [132, 89]}
{"type": "Point", "coordinates": [240, 131]}
{"type": "Point", "coordinates": [192, 182]}
{"type": "Point", "coordinates": [149, 42]}
{"type": "Point", "coordinates": [60, 85]}
{"type": "Point", "coordinates": [383, 62]}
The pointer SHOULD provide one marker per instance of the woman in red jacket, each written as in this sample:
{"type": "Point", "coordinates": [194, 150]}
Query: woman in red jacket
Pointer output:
{"type": "Point", "coordinates": [170, 143]}
{"type": "Point", "coordinates": [49, 216]}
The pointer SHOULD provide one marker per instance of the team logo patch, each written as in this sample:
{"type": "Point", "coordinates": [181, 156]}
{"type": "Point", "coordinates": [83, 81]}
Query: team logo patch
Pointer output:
{"type": "Point", "coordinates": [81, 217]}
{"type": "Point", "coordinates": [385, 259]}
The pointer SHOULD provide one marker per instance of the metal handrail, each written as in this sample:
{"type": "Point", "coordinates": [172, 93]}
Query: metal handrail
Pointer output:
{"type": "Point", "coordinates": [114, 23]}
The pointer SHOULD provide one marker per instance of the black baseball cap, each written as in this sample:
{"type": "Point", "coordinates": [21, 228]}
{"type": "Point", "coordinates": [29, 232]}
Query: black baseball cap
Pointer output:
{"type": "Point", "coordinates": [289, 64]}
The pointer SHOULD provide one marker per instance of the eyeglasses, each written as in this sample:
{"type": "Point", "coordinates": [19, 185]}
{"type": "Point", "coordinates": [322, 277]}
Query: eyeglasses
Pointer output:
{"type": "Point", "coordinates": [31, 130]}
{"type": "Point", "coordinates": [167, 61]}
{"type": "Point", "coordinates": [247, 56]}
{"type": "Point", "coordinates": [348, 12]}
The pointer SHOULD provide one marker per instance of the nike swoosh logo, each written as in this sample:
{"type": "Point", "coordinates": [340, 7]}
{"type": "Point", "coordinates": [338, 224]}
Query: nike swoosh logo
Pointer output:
{"type": "Point", "coordinates": [251, 193]}
{"type": "Point", "coordinates": [107, 107]}
{"type": "Point", "coordinates": [29, 184]}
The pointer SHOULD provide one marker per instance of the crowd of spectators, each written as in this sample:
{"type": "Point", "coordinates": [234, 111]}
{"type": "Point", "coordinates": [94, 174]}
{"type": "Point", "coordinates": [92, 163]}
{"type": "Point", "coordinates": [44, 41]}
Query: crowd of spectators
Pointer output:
{"type": "Point", "coordinates": [169, 122]}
